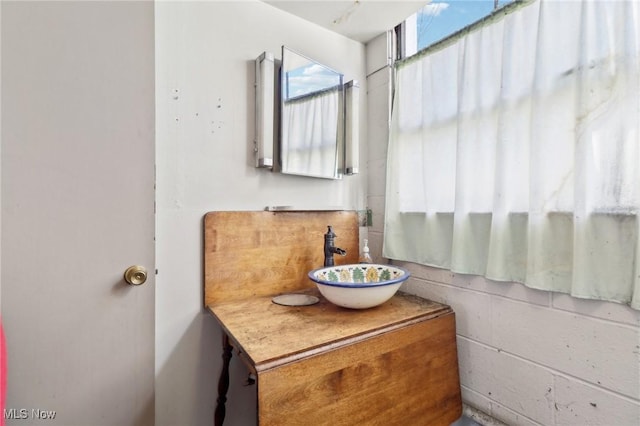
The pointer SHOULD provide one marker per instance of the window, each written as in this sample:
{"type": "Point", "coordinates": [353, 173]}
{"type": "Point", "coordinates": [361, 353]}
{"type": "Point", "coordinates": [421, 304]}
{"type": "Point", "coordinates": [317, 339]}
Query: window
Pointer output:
{"type": "Point", "coordinates": [440, 19]}
{"type": "Point", "coordinates": [514, 147]}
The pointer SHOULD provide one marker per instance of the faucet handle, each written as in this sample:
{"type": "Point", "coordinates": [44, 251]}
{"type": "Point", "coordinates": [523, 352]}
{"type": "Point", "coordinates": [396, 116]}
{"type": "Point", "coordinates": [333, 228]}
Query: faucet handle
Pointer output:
{"type": "Point", "coordinates": [330, 233]}
{"type": "Point", "coordinates": [329, 236]}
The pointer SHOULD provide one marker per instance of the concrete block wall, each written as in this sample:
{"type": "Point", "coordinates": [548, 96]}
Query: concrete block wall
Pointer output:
{"type": "Point", "coordinates": [526, 357]}
{"type": "Point", "coordinates": [530, 357]}
{"type": "Point", "coordinates": [379, 75]}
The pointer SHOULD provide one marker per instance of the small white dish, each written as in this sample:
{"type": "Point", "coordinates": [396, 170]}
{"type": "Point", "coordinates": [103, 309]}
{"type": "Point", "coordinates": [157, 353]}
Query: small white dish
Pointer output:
{"type": "Point", "coordinates": [295, 299]}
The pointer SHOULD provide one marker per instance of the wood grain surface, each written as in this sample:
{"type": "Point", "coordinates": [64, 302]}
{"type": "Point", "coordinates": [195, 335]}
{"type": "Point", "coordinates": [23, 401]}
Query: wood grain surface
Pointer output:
{"type": "Point", "coordinates": [249, 254]}
{"type": "Point", "coordinates": [270, 335]}
{"type": "Point", "coordinates": [406, 377]}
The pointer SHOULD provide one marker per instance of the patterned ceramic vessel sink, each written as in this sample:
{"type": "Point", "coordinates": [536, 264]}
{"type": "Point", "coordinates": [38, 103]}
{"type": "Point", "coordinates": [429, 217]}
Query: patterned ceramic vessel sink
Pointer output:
{"type": "Point", "coordinates": [359, 286]}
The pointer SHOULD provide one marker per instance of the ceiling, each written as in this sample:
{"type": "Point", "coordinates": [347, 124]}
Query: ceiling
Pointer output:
{"type": "Point", "coordinates": [361, 20]}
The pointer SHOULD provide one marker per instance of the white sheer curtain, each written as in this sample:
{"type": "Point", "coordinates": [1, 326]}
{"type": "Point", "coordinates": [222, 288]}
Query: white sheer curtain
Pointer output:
{"type": "Point", "coordinates": [515, 151]}
{"type": "Point", "coordinates": [310, 136]}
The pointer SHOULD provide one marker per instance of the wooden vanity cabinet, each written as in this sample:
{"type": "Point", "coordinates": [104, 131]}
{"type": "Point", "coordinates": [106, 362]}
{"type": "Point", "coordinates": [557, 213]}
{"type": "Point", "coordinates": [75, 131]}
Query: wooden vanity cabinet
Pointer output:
{"type": "Point", "coordinates": [404, 377]}
{"type": "Point", "coordinates": [395, 364]}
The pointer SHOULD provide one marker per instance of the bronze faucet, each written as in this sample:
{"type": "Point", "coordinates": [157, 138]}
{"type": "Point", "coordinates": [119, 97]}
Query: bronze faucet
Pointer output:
{"type": "Point", "coordinates": [330, 248]}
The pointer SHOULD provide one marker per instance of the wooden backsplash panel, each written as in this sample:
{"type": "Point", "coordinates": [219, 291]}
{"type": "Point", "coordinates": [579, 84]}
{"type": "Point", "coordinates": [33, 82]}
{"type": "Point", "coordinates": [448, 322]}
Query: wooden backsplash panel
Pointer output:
{"type": "Point", "coordinates": [266, 253]}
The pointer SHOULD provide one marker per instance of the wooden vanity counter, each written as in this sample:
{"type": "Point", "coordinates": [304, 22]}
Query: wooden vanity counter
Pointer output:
{"type": "Point", "coordinates": [395, 364]}
{"type": "Point", "coordinates": [270, 335]}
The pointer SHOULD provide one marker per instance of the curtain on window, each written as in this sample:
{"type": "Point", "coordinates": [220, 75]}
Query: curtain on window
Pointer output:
{"type": "Point", "coordinates": [515, 151]}
{"type": "Point", "coordinates": [308, 142]}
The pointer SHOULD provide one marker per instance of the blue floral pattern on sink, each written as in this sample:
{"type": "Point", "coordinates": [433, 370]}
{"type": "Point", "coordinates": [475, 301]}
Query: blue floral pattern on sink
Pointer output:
{"type": "Point", "coordinates": [364, 273]}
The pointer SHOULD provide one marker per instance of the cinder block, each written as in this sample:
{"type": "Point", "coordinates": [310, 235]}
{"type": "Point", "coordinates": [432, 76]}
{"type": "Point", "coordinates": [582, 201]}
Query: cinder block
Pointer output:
{"type": "Point", "coordinates": [496, 414]}
{"type": "Point", "coordinates": [376, 204]}
{"type": "Point", "coordinates": [473, 310]}
{"type": "Point", "coordinates": [603, 353]}
{"type": "Point", "coordinates": [579, 404]}
{"type": "Point", "coordinates": [510, 290]}
{"type": "Point", "coordinates": [510, 417]}
{"type": "Point", "coordinates": [475, 400]}
{"type": "Point", "coordinates": [376, 178]}
{"type": "Point", "coordinates": [595, 308]}
{"type": "Point", "coordinates": [378, 115]}
{"type": "Point", "coordinates": [518, 385]}
{"type": "Point", "coordinates": [473, 364]}
{"type": "Point", "coordinates": [429, 273]}
{"type": "Point", "coordinates": [375, 247]}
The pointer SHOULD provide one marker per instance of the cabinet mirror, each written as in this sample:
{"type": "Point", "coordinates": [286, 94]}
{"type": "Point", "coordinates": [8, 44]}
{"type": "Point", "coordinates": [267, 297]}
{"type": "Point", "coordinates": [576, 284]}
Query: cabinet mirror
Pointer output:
{"type": "Point", "coordinates": [312, 118]}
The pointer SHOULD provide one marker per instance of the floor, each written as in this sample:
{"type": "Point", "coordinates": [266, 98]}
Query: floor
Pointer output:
{"type": "Point", "coordinates": [465, 421]}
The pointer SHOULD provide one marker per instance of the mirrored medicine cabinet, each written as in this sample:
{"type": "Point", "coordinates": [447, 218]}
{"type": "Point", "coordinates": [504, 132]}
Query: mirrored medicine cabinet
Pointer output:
{"type": "Point", "coordinates": [305, 118]}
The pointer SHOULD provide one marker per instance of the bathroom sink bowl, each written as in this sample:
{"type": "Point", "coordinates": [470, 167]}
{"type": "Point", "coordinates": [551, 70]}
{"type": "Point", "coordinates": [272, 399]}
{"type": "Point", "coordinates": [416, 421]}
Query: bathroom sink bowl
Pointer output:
{"type": "Point", "coordinates": [358, 286]}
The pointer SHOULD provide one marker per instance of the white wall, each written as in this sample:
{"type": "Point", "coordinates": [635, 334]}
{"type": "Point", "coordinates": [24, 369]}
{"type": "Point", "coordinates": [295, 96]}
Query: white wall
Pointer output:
{"type": "Point", "coordinates": [205, 55]}
{"type": "Point", "coordinates": [526, 357]}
